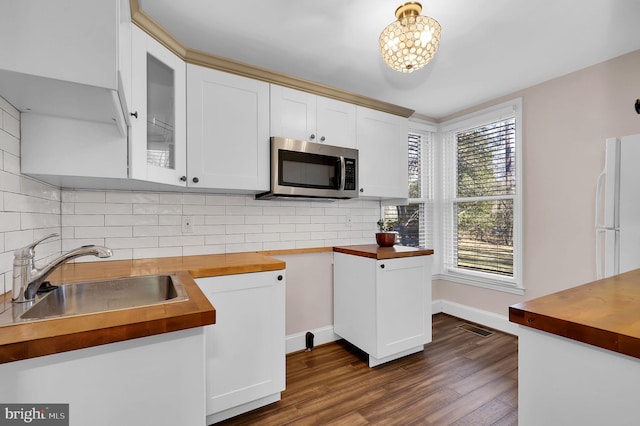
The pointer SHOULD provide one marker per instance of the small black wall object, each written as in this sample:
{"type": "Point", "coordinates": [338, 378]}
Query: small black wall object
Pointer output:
{"type": "Point", "coordinates": [309, 341]}
{"type": "Point", "coordinates": [638, 106]}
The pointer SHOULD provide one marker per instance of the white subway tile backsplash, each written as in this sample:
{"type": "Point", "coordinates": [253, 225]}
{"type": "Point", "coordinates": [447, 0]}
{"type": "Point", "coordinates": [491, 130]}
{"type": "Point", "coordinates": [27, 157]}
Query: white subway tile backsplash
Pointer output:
{"type": "Point", "coordinates": [9, 144]}
{"type": "Point", "coordinates": [243, 211]}
{"type": "Point", "coordinates": [130, 220]}
{"type": "Point", "coordinates": [39, 220]}
{"type": "Point", "coordinates": [132, 197]}
{"type": "Point", "coordinates": [244, 229]}
{"type": "Point", "coordinates": [181, 241]}
{"type": "Point", "coordinates": [71, 196]}
{"type": "Point", "coordinates": [103, 208]}
{"type": "Point", "coordinates": [103, 231]}
{"type": "Point", "coordinates": [82, 220]}
{"type": "Point", "coordinates": [144, 253]}
{"type": "Point", "coordinates": [198, 250]}
{"type": "Point", "coordinates": [192, 209]}
{"type": "Point", "coordinates": [9, 182]}
{"type": "Point", "coordinates": [135, 243]}
{"type": "Point", "coordinates": [10, 124]}
{"type": "Point", "coordinates": [168, 219]}
{"type": "Point", "coordinates": [9, 221]}
{"type": "Point", "coordinates": [156, 231]}
{"type": "Point", "coordinates": [261, 219]}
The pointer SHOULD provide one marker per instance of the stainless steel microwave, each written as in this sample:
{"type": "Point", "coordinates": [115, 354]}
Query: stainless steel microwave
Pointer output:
{"type": "Point", "coordinates": [301, 169]}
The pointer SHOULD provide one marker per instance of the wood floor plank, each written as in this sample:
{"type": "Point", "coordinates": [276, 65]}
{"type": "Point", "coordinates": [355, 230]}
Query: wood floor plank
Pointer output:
{"type": "Point", "coordinates": [459, 379]}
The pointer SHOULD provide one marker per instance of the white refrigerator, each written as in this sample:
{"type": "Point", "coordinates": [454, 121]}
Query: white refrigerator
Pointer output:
{"type": "Point", "coordinates": [618, 208]}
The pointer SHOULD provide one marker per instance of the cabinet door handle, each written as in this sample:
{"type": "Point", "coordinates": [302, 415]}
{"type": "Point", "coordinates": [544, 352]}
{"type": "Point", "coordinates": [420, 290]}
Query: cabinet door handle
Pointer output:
{"type": "Point", "coordinates": [361, 189]}
{"type": "Point", "coordinates": [280, 277]}
{"type": "Point", "coordinates": [322, 138]}
{"type": "Point", "coordinates": [195, 180]}
{"type": "Point", "coordinates": [183, 178]}
{"type": "Point", "coordinates": [382, 266]}
{"type": "Point", "coordinates": [134, 114]}
{"type": "Point", "coordinates": [312, 137]}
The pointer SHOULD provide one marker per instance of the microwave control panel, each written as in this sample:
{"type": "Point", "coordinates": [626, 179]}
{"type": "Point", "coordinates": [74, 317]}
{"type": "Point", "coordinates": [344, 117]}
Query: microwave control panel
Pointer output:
{"type": "Point", "coordinates": [349, 174]}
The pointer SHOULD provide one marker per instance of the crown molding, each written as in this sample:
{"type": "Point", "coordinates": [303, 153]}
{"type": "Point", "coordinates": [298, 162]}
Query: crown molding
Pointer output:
{"type": "Point", "coordinates": [197, 57]}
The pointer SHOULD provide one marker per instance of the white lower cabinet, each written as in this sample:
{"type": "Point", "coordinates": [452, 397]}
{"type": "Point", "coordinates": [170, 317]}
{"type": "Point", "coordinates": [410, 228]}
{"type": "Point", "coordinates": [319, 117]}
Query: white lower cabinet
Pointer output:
{"type": "Point", "coordinates": [245, 348]}
{"type": "Point", "coordinates": [383, 306]}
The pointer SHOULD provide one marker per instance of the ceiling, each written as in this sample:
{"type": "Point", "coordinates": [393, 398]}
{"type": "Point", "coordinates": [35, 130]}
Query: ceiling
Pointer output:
{"type": "Point", "coordinates": [489, 48]}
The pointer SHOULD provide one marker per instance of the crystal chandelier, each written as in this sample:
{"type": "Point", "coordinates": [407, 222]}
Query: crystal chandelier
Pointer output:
{"type": "Point", "coordinates": [409, 43]}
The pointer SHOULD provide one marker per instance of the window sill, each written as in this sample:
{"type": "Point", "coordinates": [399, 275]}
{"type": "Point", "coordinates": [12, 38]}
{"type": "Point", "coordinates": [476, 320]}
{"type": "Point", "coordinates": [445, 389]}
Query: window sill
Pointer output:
{"type": "Point", "coordinates": [481, 282]}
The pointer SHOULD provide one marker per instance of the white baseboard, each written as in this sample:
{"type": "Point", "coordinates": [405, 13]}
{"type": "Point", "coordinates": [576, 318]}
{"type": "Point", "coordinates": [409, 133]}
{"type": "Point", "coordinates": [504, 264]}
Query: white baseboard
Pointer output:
{"type": "Point", "coordinates": [297, 342]}
{"type": "Point", "coordinates": [486, 318]}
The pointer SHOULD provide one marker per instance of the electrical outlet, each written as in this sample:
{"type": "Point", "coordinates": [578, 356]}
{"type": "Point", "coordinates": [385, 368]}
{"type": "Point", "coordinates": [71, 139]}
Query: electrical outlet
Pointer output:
{"type": "Point", "coordinates": [187, 224]}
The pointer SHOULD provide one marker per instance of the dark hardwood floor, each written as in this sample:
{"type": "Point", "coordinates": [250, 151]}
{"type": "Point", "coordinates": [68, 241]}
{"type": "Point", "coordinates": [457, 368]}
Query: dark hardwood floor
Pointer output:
{"type": "Point", "coordinates": [460, 379]}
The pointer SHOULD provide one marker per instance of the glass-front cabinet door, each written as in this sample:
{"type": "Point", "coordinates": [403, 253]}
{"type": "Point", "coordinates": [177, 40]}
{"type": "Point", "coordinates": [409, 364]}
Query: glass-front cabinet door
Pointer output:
{"type": "Point", "coordinates": [158, 123]}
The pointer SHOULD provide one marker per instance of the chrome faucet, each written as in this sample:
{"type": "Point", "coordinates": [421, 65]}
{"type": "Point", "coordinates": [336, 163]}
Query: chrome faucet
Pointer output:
{"type": "Point", "coordinates": [27, 278]}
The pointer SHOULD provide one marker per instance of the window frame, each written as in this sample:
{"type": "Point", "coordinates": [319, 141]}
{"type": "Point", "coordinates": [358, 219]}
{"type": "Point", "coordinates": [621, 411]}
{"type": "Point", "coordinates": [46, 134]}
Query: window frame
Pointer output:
{"type": "Point", "coordinates": [447, 197]}
{"type": "Point", "coordinates": [428, 160]}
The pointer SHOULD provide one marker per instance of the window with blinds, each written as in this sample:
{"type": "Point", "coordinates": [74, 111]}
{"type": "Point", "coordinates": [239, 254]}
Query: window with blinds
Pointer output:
{"type": "Point", "coordinates": [414, 230]}
{"type": "Point", "coordinates": [485, 188]}
{"type": "Point", "coordinates": [481, 198]}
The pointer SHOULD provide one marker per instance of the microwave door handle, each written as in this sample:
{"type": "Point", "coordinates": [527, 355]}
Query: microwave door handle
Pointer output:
{"type": "Point", "coordinates": [342, 173]}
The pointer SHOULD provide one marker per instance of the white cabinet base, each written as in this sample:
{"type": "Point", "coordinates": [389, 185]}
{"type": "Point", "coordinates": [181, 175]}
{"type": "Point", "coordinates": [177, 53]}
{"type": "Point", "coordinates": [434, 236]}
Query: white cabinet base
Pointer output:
{"type": "Point", "coordinates": [374, 362]}
{"type": "Point", "coordinates": [382, 306]}
{"type": "Point", "coordinates": [244, 408]}
{"type": "Point", "coordinates": [565, 382]}
{"type": "Point", "coordinates": [245, 348]}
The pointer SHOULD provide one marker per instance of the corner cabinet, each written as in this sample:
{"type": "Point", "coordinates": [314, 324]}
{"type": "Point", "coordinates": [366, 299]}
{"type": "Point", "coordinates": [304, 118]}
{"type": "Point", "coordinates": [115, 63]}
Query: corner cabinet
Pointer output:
{"type": "Point", "coordinates": [158, 134]}
{"type": "Point", "coordinates": [245, 349]}
{"type": "Point", "coordinates": [228, 131]}
{"type": "Point", "coordinates": [305, 116]}
{"type": "Point", "coordinates": [383, 154]}
{"type": "Point", "coordinates": [382, 304]}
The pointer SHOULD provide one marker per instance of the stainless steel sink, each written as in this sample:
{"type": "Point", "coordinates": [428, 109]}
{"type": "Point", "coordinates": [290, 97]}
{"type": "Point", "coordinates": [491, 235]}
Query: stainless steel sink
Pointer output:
{"type": "Point", "coordinates": [107, 295]}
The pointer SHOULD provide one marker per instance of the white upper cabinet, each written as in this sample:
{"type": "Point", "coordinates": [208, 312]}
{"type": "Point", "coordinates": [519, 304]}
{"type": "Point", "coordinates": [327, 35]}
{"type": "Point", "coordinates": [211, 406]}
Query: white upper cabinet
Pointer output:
{"type": "Point", "coordinates": [383, 154]}
{"type": "Point", "coordinates": [228, 131]}
{"type": "Point", "coordinates": [63, 57]}
{"type": "Point", "coordinates": [304, 116]}
{"type": "Point", "coordinates": [158, 113]}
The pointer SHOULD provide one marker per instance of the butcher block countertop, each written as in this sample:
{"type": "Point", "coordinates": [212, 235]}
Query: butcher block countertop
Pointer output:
{"type": "Point", "coordinates": [604, 313]}
{"type": "Point", "coordinates": [373, 251]}
{"type": "Point", "coordinates": [23, 340]}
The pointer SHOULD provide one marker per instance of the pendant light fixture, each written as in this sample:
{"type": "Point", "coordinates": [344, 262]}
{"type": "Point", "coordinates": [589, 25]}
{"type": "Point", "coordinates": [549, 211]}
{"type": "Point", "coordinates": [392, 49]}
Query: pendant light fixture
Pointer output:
{"type": "Point", "coordinates": [409, 43]}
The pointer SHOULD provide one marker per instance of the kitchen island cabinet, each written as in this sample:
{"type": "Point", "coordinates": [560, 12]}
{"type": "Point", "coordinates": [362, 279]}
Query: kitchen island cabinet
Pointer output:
{"type": "Point", "coordinates": [382, 299]}
{"type": "Point", "coordinates": [245, 349]}
{"type": "Point", "coordinates": [579, 354]}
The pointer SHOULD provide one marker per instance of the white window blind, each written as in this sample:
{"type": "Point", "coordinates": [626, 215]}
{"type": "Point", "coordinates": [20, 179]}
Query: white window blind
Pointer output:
{"type": "Point", "coordinates": [481, 206]}
{"type": "Point", "coordinates": [414, 220]}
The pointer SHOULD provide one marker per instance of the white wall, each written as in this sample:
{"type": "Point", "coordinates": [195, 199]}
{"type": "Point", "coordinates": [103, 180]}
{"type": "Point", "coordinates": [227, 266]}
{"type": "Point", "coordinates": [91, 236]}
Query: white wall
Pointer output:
{"type": "Point", "coordinates": [29, 209]}
{"type": "Point", "coordinates": [566, 121]}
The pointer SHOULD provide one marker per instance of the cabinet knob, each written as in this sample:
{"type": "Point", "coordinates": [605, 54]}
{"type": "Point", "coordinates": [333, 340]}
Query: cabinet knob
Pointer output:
{"type": "Point", "coordinates": [183, 178]}
{"type": "Point", "coordinates": [134, 114]}
{"type": "Point", "coordinates": [195, 180]}
{"type": "Point", "coordinates": [323, 138]}
{"type": "Point", "coordinates": [312, 137]}
{"type": "Point", "coordinates": [382, 266]}
{"type": "Point", "coordinates": [361, 189]}
{"type": "Point", "coordinates": [280, 277]}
